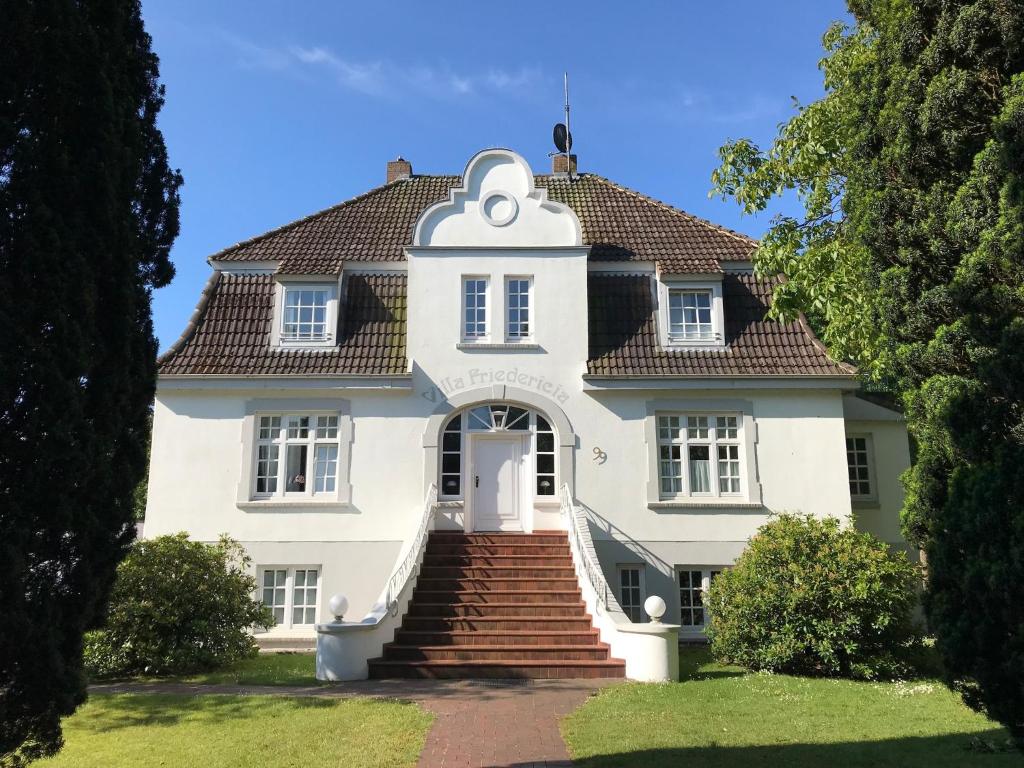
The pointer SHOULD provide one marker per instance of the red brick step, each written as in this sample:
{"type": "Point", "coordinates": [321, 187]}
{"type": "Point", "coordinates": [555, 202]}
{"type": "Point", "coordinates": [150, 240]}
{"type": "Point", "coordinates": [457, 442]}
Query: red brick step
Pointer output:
{"type": "Point", "coordinates": [497, 605]}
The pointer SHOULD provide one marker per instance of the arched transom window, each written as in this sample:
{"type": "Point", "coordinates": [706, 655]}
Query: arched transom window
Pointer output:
{"type": "Point", "coordinates": [497, 417]}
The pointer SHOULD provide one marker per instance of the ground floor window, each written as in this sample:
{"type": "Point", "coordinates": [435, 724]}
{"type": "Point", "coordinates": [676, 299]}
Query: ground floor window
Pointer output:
{"type": "Point", "coordinates": [631, 591]}
{"type": "Point", "coordinates": [291, 594]}
{"type": "Point", "coordinates": [296, 455]}
{"type": "Point", "coordinates": [699, 455]}
{"type": "Point", "coordinates": [694, 581]}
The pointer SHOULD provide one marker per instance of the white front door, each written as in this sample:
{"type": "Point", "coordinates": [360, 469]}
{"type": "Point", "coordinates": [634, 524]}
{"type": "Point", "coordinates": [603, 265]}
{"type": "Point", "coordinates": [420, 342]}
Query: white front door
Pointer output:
{"type": "Point", "coordinates": [494, 482]}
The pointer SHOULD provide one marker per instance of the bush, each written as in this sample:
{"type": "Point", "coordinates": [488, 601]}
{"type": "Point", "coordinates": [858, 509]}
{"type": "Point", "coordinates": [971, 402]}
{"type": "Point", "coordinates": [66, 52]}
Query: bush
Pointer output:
{"type": "Point", "coordinates": [177, 606]}
{"type": "Point", "coordinates": [811, 597]}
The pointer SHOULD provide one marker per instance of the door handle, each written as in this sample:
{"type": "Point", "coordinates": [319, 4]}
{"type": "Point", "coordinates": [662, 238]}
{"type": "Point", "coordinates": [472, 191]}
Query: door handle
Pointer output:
{"type": "Point", "coordinates": [476, 481]}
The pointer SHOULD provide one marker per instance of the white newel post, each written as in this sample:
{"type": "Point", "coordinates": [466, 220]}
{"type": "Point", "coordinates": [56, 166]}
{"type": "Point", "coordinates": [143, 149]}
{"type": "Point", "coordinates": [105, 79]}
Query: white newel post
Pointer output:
{"type": "Point", "coordinates": [654, 647]}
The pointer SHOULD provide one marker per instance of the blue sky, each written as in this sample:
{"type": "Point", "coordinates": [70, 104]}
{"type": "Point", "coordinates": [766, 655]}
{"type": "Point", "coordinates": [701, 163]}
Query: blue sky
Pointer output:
{"type": "Point", "coordinates": [276, 110]}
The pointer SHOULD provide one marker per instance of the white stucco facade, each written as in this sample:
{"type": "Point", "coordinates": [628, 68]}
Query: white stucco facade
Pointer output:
{"type": "Point", "coordinates": [790, 433]}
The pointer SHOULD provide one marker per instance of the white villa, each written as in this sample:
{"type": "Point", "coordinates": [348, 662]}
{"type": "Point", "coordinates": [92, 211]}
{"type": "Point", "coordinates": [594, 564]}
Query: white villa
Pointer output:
{"type": "Point", "coordinates": [502, 352]}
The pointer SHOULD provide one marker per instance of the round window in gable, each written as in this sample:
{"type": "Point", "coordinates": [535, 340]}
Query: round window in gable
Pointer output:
{"type": "Point", "coordinates": [499, 208]}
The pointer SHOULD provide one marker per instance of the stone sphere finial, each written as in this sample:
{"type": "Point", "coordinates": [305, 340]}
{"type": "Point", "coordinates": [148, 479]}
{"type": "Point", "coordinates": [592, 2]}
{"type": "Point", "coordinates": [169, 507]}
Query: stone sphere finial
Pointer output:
{"type": "Point", "coordinates": [338, 604]}
{"type": "Point", "coordinates": [655, 608]}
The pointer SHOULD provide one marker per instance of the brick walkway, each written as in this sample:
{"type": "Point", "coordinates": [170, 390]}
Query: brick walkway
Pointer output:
{"type": "Point", "coordinates": [479, 724]}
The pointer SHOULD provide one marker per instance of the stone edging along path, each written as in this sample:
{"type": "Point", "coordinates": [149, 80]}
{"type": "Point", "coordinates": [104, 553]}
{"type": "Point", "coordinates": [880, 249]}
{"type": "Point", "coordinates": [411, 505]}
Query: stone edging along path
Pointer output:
{"type": "Point", "coordinates": [478, 723]}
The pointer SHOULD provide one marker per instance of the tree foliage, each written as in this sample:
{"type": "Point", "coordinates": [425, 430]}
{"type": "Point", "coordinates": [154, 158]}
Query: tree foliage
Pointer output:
{"type": "Point", "coordinates": [88, 212]}
{"type": "Point", "coordinates": [926, 99]}
{"type": "Point", "coordinates": [810, 597]}
{"type": "Point", "coordinates": [178, 606]}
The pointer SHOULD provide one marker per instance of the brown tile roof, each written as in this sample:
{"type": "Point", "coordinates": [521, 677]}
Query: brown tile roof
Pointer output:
{"type": "Point", "coordinates": [619, 224]}
{"type": "Point", "coordinates": [230, 334]}
{"type": "Point", "coordinates": [624, 339]}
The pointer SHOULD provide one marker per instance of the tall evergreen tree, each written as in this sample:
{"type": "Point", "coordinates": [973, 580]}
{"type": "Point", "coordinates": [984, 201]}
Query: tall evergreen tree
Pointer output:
{"type": "Point", "coordinates": [910, 256]}
{"type": "Point", "coordinates": [88, 212]}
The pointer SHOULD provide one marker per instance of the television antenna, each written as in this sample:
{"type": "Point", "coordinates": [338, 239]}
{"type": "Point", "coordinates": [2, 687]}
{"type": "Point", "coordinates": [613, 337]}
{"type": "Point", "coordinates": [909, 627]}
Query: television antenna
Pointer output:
{"type": "Point", "coordinates": [561, 134]}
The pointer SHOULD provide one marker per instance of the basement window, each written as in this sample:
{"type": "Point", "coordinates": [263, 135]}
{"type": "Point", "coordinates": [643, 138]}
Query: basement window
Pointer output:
{"type": "Point", "coordinates": [291, 594]}
{"type": "Point", "coordinates": [694, 582]}
{"type": "Point", "coordinates": [631, 591]}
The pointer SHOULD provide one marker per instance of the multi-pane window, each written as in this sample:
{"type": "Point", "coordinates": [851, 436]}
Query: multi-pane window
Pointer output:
{"type": "Point", "coordinates": [291, 594]}
{"type": "Point", "coordinates": [305, 314]}
{"type": "Point", "coordinates": [728, 451]}
{"type": "Point", "coordinates": [309, 447]}
{"type": "Point", "coordinates": [693, 583]}
{"type": "Point", "coordinates": [474, 307]}
{"type": "Point", "coordinates": [517, 304]}
{"type": "Point", "coordinates": [451, 458]}
{"type": "Point", "coordinates": [631, 592]}
{"type": "Point", "coordinates": [545, 455]}
{"type": "Point", "coordinates": [304, 596]}
{"type": "Point", "coordinates": [858, 465]}
{"type": "Point", "coordinates": [686, 444]}
{"type": "Point", "coordinates": [689, 315]}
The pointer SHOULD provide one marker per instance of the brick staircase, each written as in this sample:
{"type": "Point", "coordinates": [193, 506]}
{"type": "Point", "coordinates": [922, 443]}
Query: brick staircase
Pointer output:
{"type": "Point", "coordinates": [497, 605]}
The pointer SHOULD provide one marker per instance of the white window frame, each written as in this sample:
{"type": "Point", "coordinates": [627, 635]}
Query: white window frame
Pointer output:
{"type": "Point", "coordinates": [289, 593]}
{"type": "Point", "coordinates": [749, 495]}
{"type": "Point", "coordinates": [698, 430]}
{"type": "Point", "coordinates": [284, 287]}
{"type": "Point", "coordinates": [872, 479]}
{"type": "Point", "coordinates": [707, 572]}
{"type": "Point", "coordinates": [319, 435]}
{"type": "Point", "coordinates": [668, 286]}
{"type": "Point", "coordinates": [530, 313]}
{"type": "Point", "coordinates": [640, 586]}
{"type": "Point", "coordinates": [485, 337]}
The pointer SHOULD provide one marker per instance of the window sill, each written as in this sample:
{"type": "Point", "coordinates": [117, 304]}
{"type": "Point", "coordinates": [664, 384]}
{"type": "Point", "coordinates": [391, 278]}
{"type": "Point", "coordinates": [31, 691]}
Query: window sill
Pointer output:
{"type": "Point", "coordinates": [684, 504]}
{"type": "Point", "coordinates": [487, 346]}
{"type": "Point", "coordinates": [272, 504]}
{"type": "Point", "coordinates": [451, 504]}
{"type": "Point", "coordinates": [546, 502]}
{"type": "Point", "coordinates": [866, 503]}
{"type": "Point", "coordinates": [298, 346]}
{"type": "Point", "coordinates": [685, 346]}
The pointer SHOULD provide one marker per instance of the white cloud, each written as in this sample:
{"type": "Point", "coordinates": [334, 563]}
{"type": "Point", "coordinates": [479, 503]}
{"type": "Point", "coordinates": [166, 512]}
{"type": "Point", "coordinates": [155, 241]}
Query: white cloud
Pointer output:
{"type": "Point", "coordinates": [383, 78]}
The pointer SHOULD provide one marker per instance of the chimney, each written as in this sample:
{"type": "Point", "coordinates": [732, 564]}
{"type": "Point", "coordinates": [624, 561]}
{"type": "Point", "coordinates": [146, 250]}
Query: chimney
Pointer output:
{"type": "Point", "coordinates": [561, 165]}
{"type": "Point", "coordinates": [399, 168]}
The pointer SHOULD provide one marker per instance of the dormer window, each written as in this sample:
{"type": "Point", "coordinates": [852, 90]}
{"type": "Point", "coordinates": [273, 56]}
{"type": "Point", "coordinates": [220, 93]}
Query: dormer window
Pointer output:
{"type": "Point", "coordinates": [691, 313]}
{"type": "Point", "coordinates": [306, 315]}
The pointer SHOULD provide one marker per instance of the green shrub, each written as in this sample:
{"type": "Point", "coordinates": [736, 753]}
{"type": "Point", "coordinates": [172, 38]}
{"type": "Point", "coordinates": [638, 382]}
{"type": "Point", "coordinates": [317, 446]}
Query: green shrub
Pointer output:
{"type": "Point", "coordinates": [177, 606]}
{"type": "Point", "coordinates": [811, 597]}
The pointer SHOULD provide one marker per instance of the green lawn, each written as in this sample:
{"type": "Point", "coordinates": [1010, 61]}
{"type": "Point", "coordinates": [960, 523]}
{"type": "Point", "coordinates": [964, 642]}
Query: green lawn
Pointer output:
{"type": "Point", "coordinates": [720, 716]}
{"type": "Point", "coordinates": [265, 669]}
{"type": "Point", "coordinates": [245, 731]}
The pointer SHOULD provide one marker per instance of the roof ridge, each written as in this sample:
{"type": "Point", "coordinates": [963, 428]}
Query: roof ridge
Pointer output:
{"type": "Point", "coordinates": [329, 209]}
{"type": "Point", "coordinates": [746, 239]}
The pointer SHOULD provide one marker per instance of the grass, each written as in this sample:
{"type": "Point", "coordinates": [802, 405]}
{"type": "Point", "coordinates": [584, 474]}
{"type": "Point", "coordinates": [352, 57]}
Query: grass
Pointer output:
{"type": "Point", "coordinates": [117, 731]}
{"type": "Point", "coordinates": [265, 669]}
{"type": "Point", "coordinates": [720, 717]}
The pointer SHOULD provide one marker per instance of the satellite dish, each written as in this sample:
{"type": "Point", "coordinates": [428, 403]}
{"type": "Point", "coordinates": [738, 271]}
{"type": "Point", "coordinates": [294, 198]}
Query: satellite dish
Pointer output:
{"type": "Point", "coordinates": [563, 139]}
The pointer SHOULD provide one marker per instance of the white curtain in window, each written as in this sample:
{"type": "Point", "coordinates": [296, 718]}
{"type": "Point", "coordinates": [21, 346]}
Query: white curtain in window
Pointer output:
{"type": "Point", "coordinates": [700, 470]}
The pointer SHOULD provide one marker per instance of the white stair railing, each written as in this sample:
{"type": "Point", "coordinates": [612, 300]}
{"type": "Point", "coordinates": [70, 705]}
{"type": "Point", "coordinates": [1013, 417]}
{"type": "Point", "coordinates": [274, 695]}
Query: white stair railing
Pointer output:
{"type": "Point", "coordinates": [583, 547]}
{"type": "Point", "coordinates": [410, 564]}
